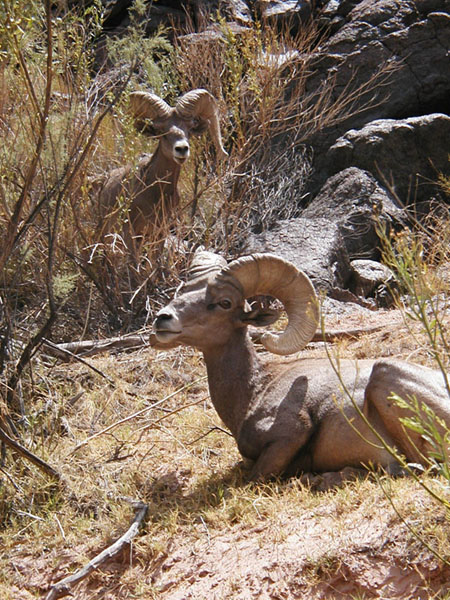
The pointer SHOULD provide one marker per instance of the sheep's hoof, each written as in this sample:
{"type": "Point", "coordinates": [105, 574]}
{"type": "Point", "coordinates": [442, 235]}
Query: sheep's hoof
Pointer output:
{"type": "Point", "coordinates": [332, 479]}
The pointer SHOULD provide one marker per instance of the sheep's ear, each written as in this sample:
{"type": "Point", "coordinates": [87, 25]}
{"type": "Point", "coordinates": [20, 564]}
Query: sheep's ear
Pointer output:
{"type": "Point", "coordinates": [199, 126]}
{"type": "Point", "coordinates": [260, 317]}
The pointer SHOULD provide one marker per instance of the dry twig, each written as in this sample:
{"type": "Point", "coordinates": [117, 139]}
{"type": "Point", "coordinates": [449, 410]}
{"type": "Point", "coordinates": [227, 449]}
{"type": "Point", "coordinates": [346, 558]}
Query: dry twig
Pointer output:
{"type": "Point", "coordinates": [67, 350]}
{"type": "Point", "coordinates": [63, 587]}
{"type": "Point", "coordinates": [41, 464]}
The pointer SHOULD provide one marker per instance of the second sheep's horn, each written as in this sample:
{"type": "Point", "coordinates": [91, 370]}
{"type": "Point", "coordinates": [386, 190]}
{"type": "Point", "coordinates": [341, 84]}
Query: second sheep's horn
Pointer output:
{"type": "Point", "coordinates": [201, 104]}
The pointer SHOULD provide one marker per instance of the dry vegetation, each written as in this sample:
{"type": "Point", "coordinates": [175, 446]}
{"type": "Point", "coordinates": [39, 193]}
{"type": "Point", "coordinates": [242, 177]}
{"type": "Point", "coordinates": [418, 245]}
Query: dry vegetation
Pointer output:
{"type": "Point", "coordinates": [209, 533]}
{"type": "Point", "coordinates": [139, 426]}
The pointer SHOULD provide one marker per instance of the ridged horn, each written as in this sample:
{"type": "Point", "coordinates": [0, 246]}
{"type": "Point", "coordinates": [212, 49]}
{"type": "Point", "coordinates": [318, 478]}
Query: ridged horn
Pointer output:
{"type": "Point", "coordinates": [144, 105]}
{"type": "Point", "coordinates": [203, 265]}
{"type": "Point", "coordinates": [200, 103]}
{"type": "Point", "coordinates": [205, 262]}
{"type": "Point", "coordinates": [267, 274]}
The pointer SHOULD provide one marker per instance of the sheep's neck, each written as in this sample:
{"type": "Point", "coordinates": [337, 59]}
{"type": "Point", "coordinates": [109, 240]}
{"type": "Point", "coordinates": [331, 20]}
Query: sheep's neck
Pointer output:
{"type": "Point", "coordinates": [235, 376]}
{"type": "Point", "coordinates": [164, 172]}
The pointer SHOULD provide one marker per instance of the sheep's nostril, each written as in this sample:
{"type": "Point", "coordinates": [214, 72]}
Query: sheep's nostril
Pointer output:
{"type": "Point", "coordinates": [162, 319]}
{"type": "Point", "coordinates": [182, 150]}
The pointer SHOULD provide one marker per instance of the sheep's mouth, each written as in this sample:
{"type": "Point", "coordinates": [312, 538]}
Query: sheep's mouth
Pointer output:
{"type": "Point", "coordinates": [165, 335]}
{"type": "Point", "coordinates": [180, 159]}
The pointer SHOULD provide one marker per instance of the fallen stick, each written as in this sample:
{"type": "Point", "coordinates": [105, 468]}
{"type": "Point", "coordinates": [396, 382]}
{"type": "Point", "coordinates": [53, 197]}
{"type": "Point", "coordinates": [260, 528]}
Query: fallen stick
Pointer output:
{"type": "Point", "coordinates": [6, 439]}
{"type": "Point", "coordinates": [70, 350]}
{"type": "Point", "coordinates": [63, 587]}
{"type": "Point", "coordinates": [67, 350]}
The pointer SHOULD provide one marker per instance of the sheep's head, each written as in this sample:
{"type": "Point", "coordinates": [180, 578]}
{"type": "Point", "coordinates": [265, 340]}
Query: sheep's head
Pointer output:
{"type": "Point", "coordinates": [193, 113]}
{"type": "Point", "coordinates": [214, 303]}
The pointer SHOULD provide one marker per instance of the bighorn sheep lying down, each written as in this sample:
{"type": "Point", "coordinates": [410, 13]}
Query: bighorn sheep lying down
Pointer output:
{"type": "Point", "coordinates": [285, 416]}
{"type": "Point", "coordinates": [151, 189]}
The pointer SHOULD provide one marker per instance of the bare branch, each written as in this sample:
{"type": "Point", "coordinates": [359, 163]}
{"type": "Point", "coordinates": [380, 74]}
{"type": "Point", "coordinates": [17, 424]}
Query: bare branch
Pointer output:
{"type": "Point", "coordinates": [63, 587]}
{"type": "Point", "coordinates": [41, 464]}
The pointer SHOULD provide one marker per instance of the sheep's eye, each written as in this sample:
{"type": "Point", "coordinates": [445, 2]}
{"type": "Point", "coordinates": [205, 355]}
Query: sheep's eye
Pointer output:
{"type": "Point", "coordinates": [226, 304]}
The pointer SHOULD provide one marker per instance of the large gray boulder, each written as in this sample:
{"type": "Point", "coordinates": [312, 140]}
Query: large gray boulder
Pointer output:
{"type": "Point", "coordinates": [339, 225]}
{"type": "Point", "coordinates": [406, 155]}
{"type": "Point", "coordinates": [313, 245]}
{"type": "Point", "coordinates": [354, 202]}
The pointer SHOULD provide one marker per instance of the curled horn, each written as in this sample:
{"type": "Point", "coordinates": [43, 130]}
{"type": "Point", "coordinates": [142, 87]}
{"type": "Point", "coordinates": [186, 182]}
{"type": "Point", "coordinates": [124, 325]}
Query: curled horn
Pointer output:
{"type": "Point", "coordinates": [200, 103]}
{"type": "Point", "coordinates": [203, 266]}
{"type": "Point", "coordinates": [267, 274]}
{"type": "Point", "coordinates": [204, 263]}
{"type": "Point", "coordinates": [144, 105]}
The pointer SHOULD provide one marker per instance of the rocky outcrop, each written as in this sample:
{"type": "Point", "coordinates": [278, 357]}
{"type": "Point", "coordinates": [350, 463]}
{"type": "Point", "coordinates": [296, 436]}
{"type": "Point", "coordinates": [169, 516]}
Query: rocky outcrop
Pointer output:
{"type": "Point", "coordinates": [414, 34]}
{"type": "Point", "coordinates": [339, 225]}
{"type": "Point", "coordinates": [414, 37]}
{"type": "Point", "coordinates": [407, 155]}
{"type": "Point", "coordinates": [354, 201]}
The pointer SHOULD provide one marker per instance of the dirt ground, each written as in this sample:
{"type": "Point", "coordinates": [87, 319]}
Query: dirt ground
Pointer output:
{"type": "Point", "coordinates": [315, 559]}
{"type": "Point", "coordinates": [309, 539]}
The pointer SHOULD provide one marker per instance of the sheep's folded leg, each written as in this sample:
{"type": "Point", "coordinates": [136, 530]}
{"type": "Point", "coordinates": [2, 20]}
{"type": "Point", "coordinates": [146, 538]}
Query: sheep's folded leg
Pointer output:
{"type": "Point", "coordinates": [274, 459]}
{"type": "Point", "coordinates": [411, 383]}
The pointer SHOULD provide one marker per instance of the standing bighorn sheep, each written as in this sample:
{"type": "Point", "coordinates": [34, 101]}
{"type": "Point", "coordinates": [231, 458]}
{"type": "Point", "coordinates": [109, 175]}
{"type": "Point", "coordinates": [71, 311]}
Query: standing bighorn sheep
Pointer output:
{"type": "Point", "coordinates": [291, 416]}
{"type": "Point", "coordinates": [150, 190]}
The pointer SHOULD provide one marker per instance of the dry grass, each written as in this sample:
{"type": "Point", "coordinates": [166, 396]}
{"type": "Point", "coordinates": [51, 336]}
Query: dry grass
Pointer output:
{"type": "Point", "coordinates": [103, 433]}
{"type": "Point", "coordinates": [176, 458]}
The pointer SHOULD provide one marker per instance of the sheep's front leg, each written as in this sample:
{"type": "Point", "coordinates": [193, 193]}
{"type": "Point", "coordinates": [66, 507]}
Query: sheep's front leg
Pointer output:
{"type": "Point", "coordinates": [274, 459]}
{"type": "Point", "coordinates": [275, 432]}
